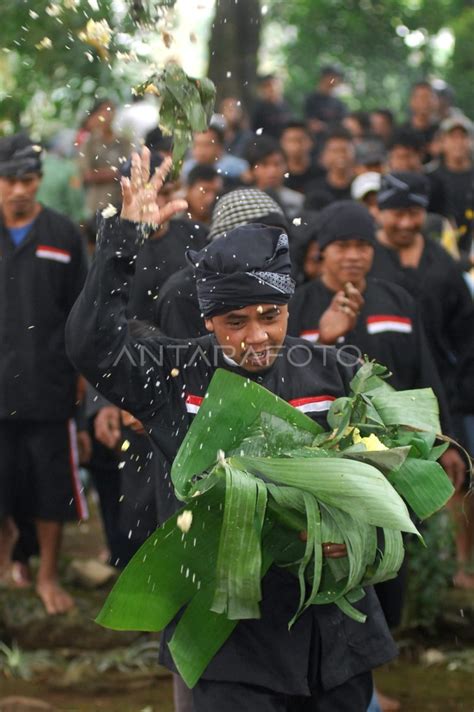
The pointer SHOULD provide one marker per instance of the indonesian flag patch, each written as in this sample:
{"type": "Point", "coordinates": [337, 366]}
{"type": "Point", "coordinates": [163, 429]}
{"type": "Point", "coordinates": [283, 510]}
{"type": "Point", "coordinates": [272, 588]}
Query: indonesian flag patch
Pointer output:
{"type": "Point", "coordinates": [385, 322]}
{"type": "Point", "coordinates": [311, 335]}
{"type": "Point", "coordinates": [193, 403]}
{"type": "Point", "coordinates": [313, 404]}
{"type": "Point", "coordinates": [53, 253]}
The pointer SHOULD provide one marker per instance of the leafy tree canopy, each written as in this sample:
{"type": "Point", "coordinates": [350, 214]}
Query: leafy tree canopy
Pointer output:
{"type": "Point", "coordinates": [368, 38]}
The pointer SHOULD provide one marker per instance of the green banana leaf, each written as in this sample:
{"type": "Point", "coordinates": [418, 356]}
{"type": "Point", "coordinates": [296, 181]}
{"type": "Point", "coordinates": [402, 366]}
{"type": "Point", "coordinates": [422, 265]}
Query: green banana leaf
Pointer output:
{"type": "Point", "coordinates": [230, 419]}
{"type": "Point", "coordinates": [186, 106]}
{"type": "Point", "coordinates": [167, 570]}
{"type": "Point", "coordinates": [252, 474]}
{"type": "Point", "coordinates": [417, 408]}
{"type": "Point", "coordinates": [354, 487]}
{"type": "Point", "coordinates": [424, 485]}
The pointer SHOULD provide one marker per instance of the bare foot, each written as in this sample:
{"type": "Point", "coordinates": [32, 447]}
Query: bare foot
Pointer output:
{"type": "Point", "coordinates": [463, 580]}
{"type": "Point", "coordinates": [15, 576]}
{"type": "Point", "coordinates": [54, 597]}
{"type": "Point", "coordinates": [387, 704]}
{"type": "Point", "coordinates": [20, 574]}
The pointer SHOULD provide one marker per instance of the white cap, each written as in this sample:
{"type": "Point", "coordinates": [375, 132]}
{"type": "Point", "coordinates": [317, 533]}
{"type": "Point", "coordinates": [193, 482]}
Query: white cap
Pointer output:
{"type": "Point", "coordinates": [365, 183]}
{"type": "Point", "coordinates": [457, 120]}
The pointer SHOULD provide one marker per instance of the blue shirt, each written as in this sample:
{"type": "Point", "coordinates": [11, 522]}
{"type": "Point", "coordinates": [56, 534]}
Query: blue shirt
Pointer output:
{"type": "Point", "coordinates": [18, 234]}
{"type": "Point", "coordinates": [227, 166]}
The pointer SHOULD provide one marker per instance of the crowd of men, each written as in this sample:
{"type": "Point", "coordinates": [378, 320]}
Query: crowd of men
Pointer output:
{"type": "Point", "coordinates": [379, 217]}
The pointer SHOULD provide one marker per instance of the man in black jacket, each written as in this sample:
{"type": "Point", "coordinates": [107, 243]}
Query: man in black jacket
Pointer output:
{"type": "Point", "coordinates": [42, 269]}
{"type": "Point", "coordinates": [244, 285]}
{"type": "Point", "coordinates": [420, 265]}
{"type": "Point", "coordinates": [346, 307]}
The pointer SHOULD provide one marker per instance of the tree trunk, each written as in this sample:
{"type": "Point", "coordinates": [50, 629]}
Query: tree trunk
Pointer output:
{"type": "Point", "coordinates": [233, 49]}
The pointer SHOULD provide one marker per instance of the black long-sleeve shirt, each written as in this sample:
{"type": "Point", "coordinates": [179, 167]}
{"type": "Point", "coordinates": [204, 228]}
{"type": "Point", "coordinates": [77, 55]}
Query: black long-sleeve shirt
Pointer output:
{"type": "Point", "coordinates": [159, 259]}
{"type": "Point", "coordinates": [162, 381]}
{"type": "Point", "coordinates": [39, 281]}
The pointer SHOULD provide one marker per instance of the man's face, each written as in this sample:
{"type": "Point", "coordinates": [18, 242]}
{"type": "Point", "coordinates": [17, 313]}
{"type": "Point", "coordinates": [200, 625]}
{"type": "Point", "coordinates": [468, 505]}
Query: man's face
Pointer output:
{"type": "Point", "coordinates": [404, 158]}
{"type": "Point", "coordinates": [381, 125]}
{"type": "Point", "coordinates": [18, 194]}
{"type": "Point", "coordinates": [206, 148]}
{"type": "Point", "coordinates": [423, 100]}
{"type": "Point", "coordinates": [347, 260]}
{"type": "Point", "coordinates": [251, 336]}
{"type": "Point", "coordinates": [296, 143]}
{"type": "Point", "coordinates": [338, 154]}
{"type": "Point", "coordinates": [202, 196]}
{"type": "Point", "coordinates": [269, 172]}
{"type": "Point", "coordinates": [231, 109]}
{"type": "Point", "coordinates": [401, 226]}
{"type": "Point", "coordinates": [271, 90]}
{"type": "Point", "coordinates": [354, 127]}
{"type": "Point", "coordinates": [329, 82]}
{"type": "Point", "coordinates": [456, 144]}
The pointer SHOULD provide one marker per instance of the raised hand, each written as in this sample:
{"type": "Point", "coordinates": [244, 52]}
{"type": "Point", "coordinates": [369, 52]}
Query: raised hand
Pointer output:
{"type": "Point", "coordinates": [341, 315]}
{"type": "Point", "coordinates": [140, 190]}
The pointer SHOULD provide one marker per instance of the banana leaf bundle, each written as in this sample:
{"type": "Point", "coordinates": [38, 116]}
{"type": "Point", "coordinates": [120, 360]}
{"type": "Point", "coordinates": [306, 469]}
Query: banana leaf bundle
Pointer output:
{"type": "Point", "coordinates": [254, 472]}
{"type": "Point", "coordinates": [186, 105]}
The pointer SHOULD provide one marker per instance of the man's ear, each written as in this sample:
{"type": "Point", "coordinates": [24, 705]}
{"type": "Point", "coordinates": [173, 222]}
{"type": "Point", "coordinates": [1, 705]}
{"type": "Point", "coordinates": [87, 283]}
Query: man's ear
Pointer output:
{"type": "Point", "coordinates": [209, 324]}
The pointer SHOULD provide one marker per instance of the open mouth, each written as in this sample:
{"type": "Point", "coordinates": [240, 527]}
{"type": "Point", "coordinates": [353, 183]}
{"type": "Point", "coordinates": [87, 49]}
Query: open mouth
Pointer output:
{"type": "Point", "coordinates": [257, 358]}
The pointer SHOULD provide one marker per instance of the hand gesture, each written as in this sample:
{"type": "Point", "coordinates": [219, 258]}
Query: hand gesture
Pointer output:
{"type": "Point", "coordinates": [140, 190]}
{"type": "Point", "coordinates": [129, 421]}
{"type": "Point", "coordinates": [107, 426]}
{"type": "Point", "coordinates": [341, 315]}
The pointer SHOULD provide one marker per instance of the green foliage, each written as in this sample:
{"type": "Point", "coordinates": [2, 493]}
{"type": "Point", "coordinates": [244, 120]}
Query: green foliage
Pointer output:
{"type": "Point", "coordinates": [361, 36]}
{"type": "Point", "coordinates": [63, 73]}
{"type": "Point", "coordinates": [430, 572]}
{"type": "Point", "coordinates": [461, 70]}
{"type": "Point", "coordinates": [186, 105]}
{"type": "Point", "coordinates": [13, 662]}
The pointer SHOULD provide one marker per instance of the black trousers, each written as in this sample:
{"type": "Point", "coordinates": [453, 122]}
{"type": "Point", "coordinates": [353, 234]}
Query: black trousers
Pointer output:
{"type": "Point", "coordinates": [353, 696]}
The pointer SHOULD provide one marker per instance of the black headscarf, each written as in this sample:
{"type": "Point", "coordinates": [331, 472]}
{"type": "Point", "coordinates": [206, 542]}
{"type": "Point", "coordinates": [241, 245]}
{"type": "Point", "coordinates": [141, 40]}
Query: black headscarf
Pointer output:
{"type": "Point", "coordinates": [19, 156]}
{"type": "Point", "coordinates": [345, 220]}
{"type": "Point", "coordinates": [403, 190]}
{"type": "Point", "coordinates": [249, 266]}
